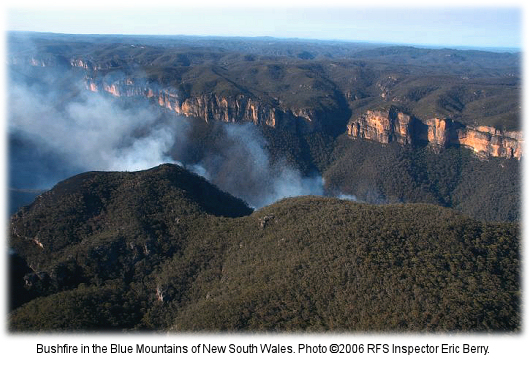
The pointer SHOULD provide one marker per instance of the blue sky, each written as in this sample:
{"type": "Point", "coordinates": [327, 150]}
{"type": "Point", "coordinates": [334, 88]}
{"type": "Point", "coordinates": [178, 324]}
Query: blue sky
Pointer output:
{"type": "Point", "coordinates": [470, 25]}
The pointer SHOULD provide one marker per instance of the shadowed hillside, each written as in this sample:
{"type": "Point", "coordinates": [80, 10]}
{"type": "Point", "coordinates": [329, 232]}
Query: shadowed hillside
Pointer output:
{"type": "Point", "coordinates": [163, 250]}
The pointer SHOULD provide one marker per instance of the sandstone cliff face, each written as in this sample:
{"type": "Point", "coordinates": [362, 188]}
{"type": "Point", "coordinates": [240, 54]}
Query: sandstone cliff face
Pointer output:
{"type": "Point", "coordinates": [391, 125]}
{"type": "Point", "coordinates": [488, 141]}
{"type": "Point", "coordinates": [438, 132]}
{"type": "Point", "coordinates": [240, 108]}
{"type": "Point", "coordinates": [383, 127]}
{"type": "Point", "coordinates": [211, 107]}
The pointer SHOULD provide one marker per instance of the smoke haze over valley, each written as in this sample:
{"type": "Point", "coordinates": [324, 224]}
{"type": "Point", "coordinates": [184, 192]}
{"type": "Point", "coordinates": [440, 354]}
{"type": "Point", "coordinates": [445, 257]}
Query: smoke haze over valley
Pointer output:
{"type": "Point", "coordinates": [54, 134]}
{"type": "Point", "coordinates": [265, 119]}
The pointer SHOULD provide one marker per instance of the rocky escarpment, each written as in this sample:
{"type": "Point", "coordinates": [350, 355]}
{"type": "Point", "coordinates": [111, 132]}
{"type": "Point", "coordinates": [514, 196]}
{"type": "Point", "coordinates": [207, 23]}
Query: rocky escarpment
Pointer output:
{"type": "Point", "coordinates": [213, 107]}
{"type": "Point", "coordinates": [208, 106]}
{"type": "Point", "coordinates": [392, 125]}
{"type": "Point", "coordinates": [383, 126]}
{"type": "Point", "coordinates": [490, 141]}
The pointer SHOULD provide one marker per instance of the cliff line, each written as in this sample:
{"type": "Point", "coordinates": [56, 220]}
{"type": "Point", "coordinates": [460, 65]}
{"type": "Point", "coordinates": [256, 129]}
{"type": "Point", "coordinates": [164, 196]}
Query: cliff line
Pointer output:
{"type": "Point", "coordinates": [392, 125]}
{"type": "Point", "coordinates": [212, 107]}
{"type": "Point", "coordinates": [383, 126]}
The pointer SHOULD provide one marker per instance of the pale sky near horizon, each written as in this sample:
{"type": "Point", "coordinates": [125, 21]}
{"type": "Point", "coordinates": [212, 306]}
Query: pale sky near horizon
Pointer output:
{"type": "Point", "coordinates": [485, 26]}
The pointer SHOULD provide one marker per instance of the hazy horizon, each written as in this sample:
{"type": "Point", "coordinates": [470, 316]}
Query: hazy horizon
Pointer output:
{"type": "Point", "coordinates": [379, 43]}
{"type": "Point", "coordinates": [455, 27]}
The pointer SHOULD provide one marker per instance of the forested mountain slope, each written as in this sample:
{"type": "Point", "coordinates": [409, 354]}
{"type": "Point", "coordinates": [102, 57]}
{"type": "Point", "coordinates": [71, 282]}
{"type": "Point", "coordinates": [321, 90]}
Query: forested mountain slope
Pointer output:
{"type": "Point", "coordinates": [163, 250]}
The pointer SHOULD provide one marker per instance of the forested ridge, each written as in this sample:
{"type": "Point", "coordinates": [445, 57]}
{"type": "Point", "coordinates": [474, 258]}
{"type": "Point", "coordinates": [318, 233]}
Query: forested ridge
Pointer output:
{"type": "Point", "coordinates": [164, 250]}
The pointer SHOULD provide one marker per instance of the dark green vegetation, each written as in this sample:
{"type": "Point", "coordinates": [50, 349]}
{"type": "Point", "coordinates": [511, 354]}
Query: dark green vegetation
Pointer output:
{"type": "Point", "coordinates": [376, 173]}
{"type": "Point", "coordinates": [164, 250]}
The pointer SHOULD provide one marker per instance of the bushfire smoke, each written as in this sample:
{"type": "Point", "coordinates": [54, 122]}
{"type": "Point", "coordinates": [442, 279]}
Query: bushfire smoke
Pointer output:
{"type": "Point", "coordinates": [57, 131]}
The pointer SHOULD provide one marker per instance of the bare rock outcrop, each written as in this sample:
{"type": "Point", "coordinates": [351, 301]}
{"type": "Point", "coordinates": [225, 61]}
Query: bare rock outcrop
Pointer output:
{"type": "Point", "coordinates": [391, 125]}
{"type": "Point", "coordinates": [383, 127]}
{"type": "Point", "coordinates": [213, 107]}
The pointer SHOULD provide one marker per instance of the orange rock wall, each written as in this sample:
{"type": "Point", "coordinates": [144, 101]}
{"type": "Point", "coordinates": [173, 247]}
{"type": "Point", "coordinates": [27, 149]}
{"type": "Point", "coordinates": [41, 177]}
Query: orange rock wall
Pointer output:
{"type": "Point", "coordinates": [388, 126]}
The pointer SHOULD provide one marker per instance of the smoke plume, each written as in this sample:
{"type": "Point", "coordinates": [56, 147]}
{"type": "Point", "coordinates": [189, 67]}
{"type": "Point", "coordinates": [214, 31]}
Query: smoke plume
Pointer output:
{"type": "Point", "coordinates": [57, 130]}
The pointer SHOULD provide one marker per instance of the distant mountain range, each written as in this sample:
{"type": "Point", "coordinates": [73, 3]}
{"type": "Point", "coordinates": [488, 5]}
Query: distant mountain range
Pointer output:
{"type": "Point", "coordinates": [304, 83]}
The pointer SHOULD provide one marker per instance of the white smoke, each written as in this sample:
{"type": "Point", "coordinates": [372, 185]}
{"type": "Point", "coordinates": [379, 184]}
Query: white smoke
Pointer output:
{"type": "Point", "coordinates": [349, 197]}
{"type": "Point", "coordinates": [242, 166]}
{"type": "Point", "coordinates": [95, 131]}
